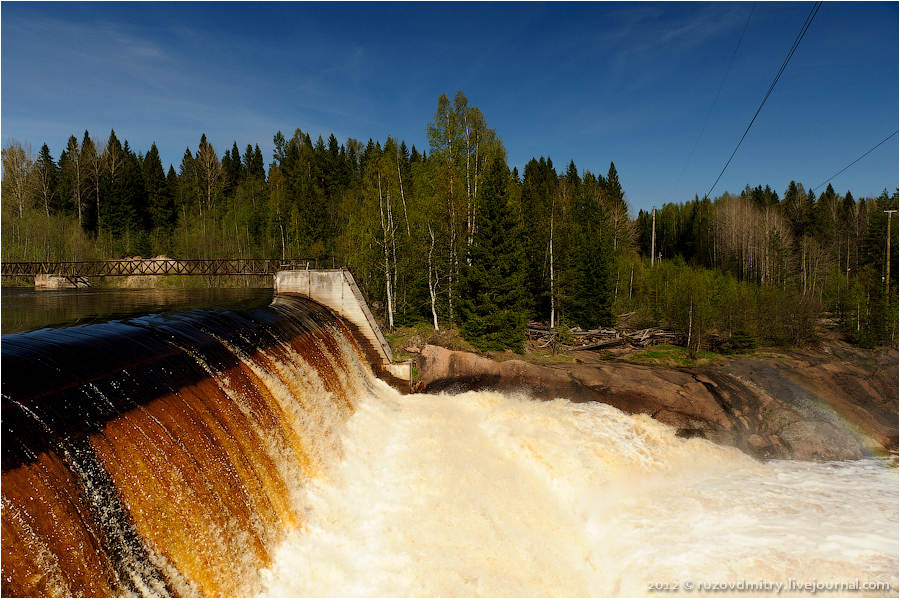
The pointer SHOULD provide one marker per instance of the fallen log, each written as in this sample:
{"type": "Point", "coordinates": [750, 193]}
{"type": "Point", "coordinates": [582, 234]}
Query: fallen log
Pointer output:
{"type": "Point", "coordinates": [605, 343]}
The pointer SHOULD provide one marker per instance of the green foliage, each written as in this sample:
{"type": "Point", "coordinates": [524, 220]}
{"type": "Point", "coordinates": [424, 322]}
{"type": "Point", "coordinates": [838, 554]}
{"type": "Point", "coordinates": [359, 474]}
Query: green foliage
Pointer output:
{"type": "Point", "coordinates": [541, 213]}
{"type": "Point", "coordinates": [591, 290]}
{"type": "Point", "coordinates": [741, 341]}
{"type": "Point", "coordinates": [453, 238]}
{"type": "Point", "coordinates": [493, 283]}
{"type": "Point", "coordinates": [160, 197]}
{"type": "Point", "coordinates": [672, 356]}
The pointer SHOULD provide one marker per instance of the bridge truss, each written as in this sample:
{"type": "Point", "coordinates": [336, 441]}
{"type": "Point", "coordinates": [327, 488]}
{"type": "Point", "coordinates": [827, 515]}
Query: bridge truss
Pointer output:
{"type": "Point", "coordinates": [133, 267]}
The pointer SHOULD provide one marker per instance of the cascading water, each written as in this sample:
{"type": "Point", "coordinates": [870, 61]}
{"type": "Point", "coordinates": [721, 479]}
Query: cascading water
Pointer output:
{"type": "Point", "coordinates": [251, 453]}
{"type": "Point", "coordinates": [166, 455]}
{"type": "Point", "coordinates": [483, 494]}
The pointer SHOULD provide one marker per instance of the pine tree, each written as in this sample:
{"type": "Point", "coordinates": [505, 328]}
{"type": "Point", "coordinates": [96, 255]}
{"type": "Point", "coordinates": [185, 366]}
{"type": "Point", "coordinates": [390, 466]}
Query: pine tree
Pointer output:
{"type": "Point", "coordinates": [253, 163]}
{"type": "Point", "coordinates": [493, 279]}
{"type": "Point", "coordinates": [539, 186]}
{"type": "Point", "coordinates": [75, 171]}
{"type": "Point", "coordinates": [232, 170]}
{"type": "Point", "coordinates": [93, 173]}
{"type": "Point", "coordinates": [172, 192]}
{"type": "Point", "coordinates": [113, 214]}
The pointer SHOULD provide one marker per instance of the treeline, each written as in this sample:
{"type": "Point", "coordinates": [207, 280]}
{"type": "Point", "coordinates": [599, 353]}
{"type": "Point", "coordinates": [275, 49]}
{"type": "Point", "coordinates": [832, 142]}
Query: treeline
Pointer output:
{"type": "Point", "coordinates": [456, 238]}
{"type": "Point", "coordinates": [833, 252]}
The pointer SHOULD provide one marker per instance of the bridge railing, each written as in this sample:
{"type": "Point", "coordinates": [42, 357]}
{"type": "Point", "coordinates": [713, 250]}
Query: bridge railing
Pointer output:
{"type": "Point", "coordinates": [160, 266]}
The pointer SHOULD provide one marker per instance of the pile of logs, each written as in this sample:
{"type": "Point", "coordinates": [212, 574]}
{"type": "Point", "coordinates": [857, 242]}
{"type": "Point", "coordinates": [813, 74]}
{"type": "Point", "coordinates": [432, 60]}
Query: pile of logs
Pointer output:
{"type": "Point", "coordinates": [544, 337]}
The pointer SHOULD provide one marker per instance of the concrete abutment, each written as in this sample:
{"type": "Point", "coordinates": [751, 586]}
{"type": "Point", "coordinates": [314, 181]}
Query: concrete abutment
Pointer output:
{"type": "Point", "coordinates": [60, 282]}
{"type": "Point", "coordinates": [337, 291]}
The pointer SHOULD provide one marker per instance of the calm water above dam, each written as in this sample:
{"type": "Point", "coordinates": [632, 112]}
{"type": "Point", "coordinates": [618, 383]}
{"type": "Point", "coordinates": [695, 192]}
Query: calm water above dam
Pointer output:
{"type": "Point", "coordinates": [27, 309]}
{"type": "Point", "coordinates": [247, 450]}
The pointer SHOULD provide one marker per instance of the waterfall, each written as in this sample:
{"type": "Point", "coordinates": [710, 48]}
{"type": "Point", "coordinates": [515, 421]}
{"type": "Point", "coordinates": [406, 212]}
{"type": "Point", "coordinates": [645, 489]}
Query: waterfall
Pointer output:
{"type": "Point", "coordinates": [167, 455]}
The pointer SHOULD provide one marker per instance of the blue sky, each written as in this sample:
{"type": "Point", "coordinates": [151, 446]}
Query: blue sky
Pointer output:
{"type": "Point", "coordinates": [631, 83]}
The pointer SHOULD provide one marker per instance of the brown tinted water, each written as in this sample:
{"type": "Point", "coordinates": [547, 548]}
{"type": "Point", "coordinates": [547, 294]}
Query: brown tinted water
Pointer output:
{"type": "Point", "coordinates": [166, 454]}
{"type": "Point", "coordinates": [25, 309]}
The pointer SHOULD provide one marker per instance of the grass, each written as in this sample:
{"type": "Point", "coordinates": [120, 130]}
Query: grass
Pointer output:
{"type": "Point", "coordinates": [672, 356]}
{"type": "Point", "coordinates": [420, 334]}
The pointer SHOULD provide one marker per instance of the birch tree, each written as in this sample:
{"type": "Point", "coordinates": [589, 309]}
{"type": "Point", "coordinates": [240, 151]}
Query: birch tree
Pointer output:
{"type": "Point", "coordinates": [460, 141]}
{"type": "Point", "coordinates": [443, 136]}
{"type": "Point", "coordinates": [18, 161]}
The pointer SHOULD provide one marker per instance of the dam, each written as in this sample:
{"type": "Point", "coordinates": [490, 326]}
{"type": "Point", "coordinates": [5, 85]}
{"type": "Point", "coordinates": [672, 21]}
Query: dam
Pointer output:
{"type": "Point", "coordinates": [337, 290]}
{"type": "Point", "coordinates": [254, 452]}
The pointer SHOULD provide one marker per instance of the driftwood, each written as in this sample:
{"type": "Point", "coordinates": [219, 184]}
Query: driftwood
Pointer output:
{"type": "Point", "coordinates": [615, 342]}
{"type": "Point", "coordinates": [544, 337]}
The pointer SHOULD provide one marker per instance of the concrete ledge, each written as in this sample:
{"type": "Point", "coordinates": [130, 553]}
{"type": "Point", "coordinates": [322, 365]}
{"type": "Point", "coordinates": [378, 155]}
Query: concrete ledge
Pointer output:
{"type": "Point", "coordinates": [397, 375]}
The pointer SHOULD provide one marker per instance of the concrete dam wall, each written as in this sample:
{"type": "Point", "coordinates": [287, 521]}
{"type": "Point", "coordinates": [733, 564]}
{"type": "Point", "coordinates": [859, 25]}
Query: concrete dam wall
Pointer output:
{"type": "Point", "coordinates": [337, 291]}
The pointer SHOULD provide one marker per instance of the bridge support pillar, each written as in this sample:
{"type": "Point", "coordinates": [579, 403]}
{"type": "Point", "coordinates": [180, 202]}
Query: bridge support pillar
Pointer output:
{"type": "Point", "coordinates": [60, 282]}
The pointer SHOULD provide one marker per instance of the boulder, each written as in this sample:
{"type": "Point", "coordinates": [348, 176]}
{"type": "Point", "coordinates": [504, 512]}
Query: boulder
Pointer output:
{"type": "Point", "coordinates": [801, 407]}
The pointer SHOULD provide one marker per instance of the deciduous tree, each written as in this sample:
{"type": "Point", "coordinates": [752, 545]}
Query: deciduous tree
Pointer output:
{"type": "Point", "coordinates": [18, 161]}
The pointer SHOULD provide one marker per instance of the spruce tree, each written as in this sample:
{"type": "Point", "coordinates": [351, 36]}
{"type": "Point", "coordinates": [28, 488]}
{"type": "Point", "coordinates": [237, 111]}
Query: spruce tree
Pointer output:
{"type": "Point", "coordinates": [47, 178]}
{"type": "Point", "coordinates": [592, 291]}
{"type": "Point", "coordinates": [493, 278]}
{"type": "Point", "coordinates": [160, 203]}
{"type": "Point", "coordinates": [538, 188]}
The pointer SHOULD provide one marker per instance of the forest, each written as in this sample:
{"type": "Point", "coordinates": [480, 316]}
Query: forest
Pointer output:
{"type": "Point", "coordinates": [453, 237]}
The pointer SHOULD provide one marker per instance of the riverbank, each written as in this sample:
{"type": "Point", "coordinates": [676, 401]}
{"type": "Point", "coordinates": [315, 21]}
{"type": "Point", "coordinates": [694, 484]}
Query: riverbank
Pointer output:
{"type": "Point", "coordinates": [831, 402]}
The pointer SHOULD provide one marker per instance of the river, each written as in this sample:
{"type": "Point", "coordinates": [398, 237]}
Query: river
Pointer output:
{"type": "Point", "coordinates": [245, 450]}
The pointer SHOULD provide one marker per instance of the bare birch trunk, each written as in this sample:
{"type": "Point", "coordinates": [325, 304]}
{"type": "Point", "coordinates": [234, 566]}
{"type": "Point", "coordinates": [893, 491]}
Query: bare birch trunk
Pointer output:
{"type": "Point", "coordinates": [552, 281]}
{"type": "Point", "coordinates": [387, 256]}
{"type": "Point", "coordinates": [402, 196]}
{"type": "Point", "coordinates": [690, 326]}
{"type": "Point", "coordinates": [432, 280]}
{"type": "Point", "coordinates": [392, 297]}
{"type": "Point", "coordinates": [454, 259]}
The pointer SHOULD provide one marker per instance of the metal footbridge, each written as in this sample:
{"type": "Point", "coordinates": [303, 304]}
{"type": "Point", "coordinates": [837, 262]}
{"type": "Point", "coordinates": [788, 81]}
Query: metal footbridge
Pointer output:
{"type": "Point", "coordinates": [335, 289]}
{"type": "Point", "coordinates": [129, 267]}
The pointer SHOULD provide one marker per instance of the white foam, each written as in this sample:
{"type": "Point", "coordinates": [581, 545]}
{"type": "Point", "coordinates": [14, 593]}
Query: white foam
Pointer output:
{"type": "Point", "coordinates": [482, 494]}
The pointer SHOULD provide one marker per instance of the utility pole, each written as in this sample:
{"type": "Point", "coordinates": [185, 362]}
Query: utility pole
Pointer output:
{"type": "Point", "coordinates": [887, 259]}
{"type": "Point", "coordinates": [653, 239]}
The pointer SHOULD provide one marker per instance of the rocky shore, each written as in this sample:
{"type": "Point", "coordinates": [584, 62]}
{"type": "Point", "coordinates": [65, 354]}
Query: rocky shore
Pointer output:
{"type": "Point", "coordinates": [833, 404]}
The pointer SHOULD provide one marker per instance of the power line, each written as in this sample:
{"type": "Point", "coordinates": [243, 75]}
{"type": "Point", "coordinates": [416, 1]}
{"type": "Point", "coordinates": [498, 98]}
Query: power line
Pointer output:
{"type": "Point", "coordinates": [857, 160]}
{"type": "Point", "coordinates": [809, 19]}
{"type": "Point", "coordinates": [702, 129]}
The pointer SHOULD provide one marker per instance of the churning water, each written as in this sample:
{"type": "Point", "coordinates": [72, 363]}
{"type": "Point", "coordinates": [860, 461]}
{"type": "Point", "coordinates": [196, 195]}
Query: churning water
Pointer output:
{"type": "Point", "coordinates": [482, 494]}
{"type": "Point", "coordinates": [254, 453]}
